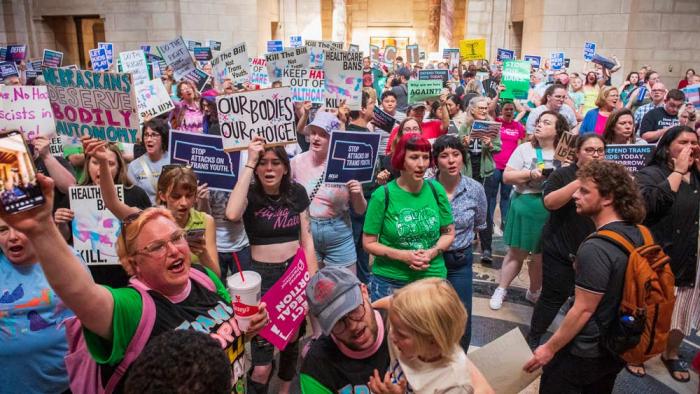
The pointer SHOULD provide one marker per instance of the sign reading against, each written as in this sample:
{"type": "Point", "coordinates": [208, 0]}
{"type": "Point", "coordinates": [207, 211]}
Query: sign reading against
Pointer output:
{"type": "Point", "coordinates": [274, 46]}
{"type": "Point", "coordinates": [280, 64]}
{"type": "Point", "coordinates": [109, 51]}
{"type": "Point", "coordinates": [566, 148]}
{"type": "Point", "coordinates": [535, 61]}
{"type": "Point", "coordinates": [177, 56]}
{"type": "Point", "coordinates": [351, 155]}
{"type": "Point", "coordinates": [421, 90]}
{"type": "Point", "coordinates": [287, 304]}
{"type": "Point", "coordinates": [588, 51]}
{"type": "Point", "coordinates": [307, 85]}
{"type": "Point", "coordinates": [95, 228]}
{"type": "Point", "coordinates": [202, 54]}
{"type": "Point", "coordinates": [434, 75]}
{"type": "Point", "coordinates": [473, 49]}
{"type": "Point", "coordinates": [328, 45]}
{"type": "Point", "coordinates": [153, 99]}
{"type": "Point", "coordinates": [343, 79]}
{"type": "Point", "coordinates": [516, 78]}
{"type": "Point", "coordinates": [52, 58]}
{"type": "Point", "coordinates": [134, 62]}
{"type": "Point", "coordinates": [383, 120]}
{"type": "Point", "coordinates": [258, 72]}
{"type": "Point", "coordinates": [504, 54]}
{"type": "Point", "coordinates": [295, 41]}
{"type": "Point", "coordinates": [268, 113]}
{"type": "Point", "coordinates": [27, 109]}
{"type": "Point", "coordinates": [99, 104]}
{"type": "Point", "coordinates": [633, 157]}
{"type": "Point", "coordinates": [205, 154]}
{"type": "Point", "coordinates": [232, 63]}
{"type": "Point", "coordinates": [98, 58]}
{"type": "Point", "coordinates": [16, 53]}
{"type": "Point", "coordinates": [412, 54]}
{"type": "Point", "coordinates": [557, 60]}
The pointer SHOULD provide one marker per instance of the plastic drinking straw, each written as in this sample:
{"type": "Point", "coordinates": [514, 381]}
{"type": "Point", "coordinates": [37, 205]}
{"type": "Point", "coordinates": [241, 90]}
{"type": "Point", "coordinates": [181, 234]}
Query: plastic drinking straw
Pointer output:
{"type": "Point", "coordinates": [238, 264]}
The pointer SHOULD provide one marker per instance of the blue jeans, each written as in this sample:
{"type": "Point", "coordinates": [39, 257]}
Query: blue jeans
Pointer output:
{"type": "Point", "coordinates": [491, 186]}
{"type": "Point", "coordinates": [333, 242]}
{"type": "Point", "coordinates": [380, 287]}
{"type": "Point", "coordinates": [358, 222]}
{"type": "Point", "coordinates": [460, 275]}
{"type": "Point", "coordinates": [228, 264]}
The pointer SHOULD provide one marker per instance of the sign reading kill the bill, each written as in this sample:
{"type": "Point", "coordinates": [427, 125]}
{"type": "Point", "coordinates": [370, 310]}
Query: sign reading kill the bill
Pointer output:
{"type": "Point", "coordinates": [279, 64]}
{"type": "Point", "coordinates": [99, 104]}
{"type": "Point", "coordinates": [232, 63]}
{"type": "Point", "coordinates": [343, 79]}
{"type": "Point", "coordinates": [268, 113]}
{"type": "Point", "coordinates": [95, 228]}
{"type": "Point", "coordinates": [152, 99]}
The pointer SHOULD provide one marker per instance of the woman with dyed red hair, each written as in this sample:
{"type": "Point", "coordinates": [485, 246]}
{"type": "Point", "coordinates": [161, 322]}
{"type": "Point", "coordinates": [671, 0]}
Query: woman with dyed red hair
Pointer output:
{"type": "Point", "coordinates": [408, 223]}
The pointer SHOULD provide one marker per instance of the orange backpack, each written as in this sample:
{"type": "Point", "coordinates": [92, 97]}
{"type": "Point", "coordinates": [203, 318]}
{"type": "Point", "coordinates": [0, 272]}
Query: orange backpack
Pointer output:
{"type": "Point", "coordinates": [644, 317]}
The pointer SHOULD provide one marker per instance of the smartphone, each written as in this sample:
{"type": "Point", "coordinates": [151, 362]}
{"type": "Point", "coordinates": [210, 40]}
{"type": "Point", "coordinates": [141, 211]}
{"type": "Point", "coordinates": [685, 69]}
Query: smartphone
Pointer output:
{"type": "Point", "coordinates": [194, 235]}
{"type": "Point", "coordinates": [547, 172]}
{"type": "Point", "coordinates": [20, 190]}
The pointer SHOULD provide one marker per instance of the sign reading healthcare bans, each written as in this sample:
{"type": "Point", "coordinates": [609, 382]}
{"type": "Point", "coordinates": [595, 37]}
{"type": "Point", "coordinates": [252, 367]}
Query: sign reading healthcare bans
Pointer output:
{"type": "Point", "coordinates": [268, 113]}
{"type": "Point", "coordinates": [95, 228]}
{"type": "Point", "coordinates": [343, 79]}
{"type": "Point", "coordinates": [205, 154]}
{"type": "Point", "coordinates": [351, 155]}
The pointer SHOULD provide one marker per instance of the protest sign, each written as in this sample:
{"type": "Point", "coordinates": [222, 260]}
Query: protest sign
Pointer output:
{"type": "Point", "coordinates": [633, 157]}
{"type": "Point", "coordinates": [535, 61]}
{"type": "Point", "coordinates": [99, 104]}
{"type": "Point", "coordinates": [52, 58]}
{"type": "Point", "coordinates": [274, 46]}
{"type": "Point", "coordinates": [504, 54]}
{"type": "Point", "coordinates": [454, 60]}
{"type": "Point", "coordinates": [566, 148]}
{"type": "Point", "coordinates": [156, 61]}
{"type": "Point", "coordinates": [152, 99]}
{"type": "Point", "coordinates": [35, 64]}
{"type": "Point", "coordinates": [56, 147]}
{"type": "Point", "coordinates": [354, 48]}
{"type": "Point", "coordinates": [446, 52]}
{"type": "Point", "coordinates": [280, 63]}
{"type": "Point", "coordinates": [16, 53]}
{"type": "Point", "coordinates": [351, 156]}
{"type": "Point", "coordinates": [343, 79]}
{"type": "Point", "coordinates": [588, 51]}
{"type": "Point", "coordinates": [8, 69]}
{"type": "Point", "coordinates": [205, 154]}
{"type": "Point", "coordinates": [98, 59]}
{"type": "Point", "coordinates": [603, 61]}
{"type": "Point", "coordinates": [214, 45]}
{"type": "Point", "coordinates": [412, 54]}
{"type": "Point", "coordinates": [383, 120]}
{"type": "Point", "coordinates": [134, 62]}
{"type": "Point", "coordinates": [27, 109]}
{"type": "Point", "coordinates": [483, 128]}
{"type": "Point", "coordinates": [258, 72]}
{"type": "Point", "coordinates": [3, 54]}
{"type": "Point", "coordinates": [474, 49]}
{"type": "Point", "coordinates": [374, 54]}
{"type": "Point", "coordinates": [434, 75]}
{"type": "Point", "coordinates": [232, 63]}
{"type": "Point", "coordinates": [307, 85]}
{"type": "Point", "coordinates": [198, 77]}
{"type": "Point", "coordinates": [95, 228]}
{"type": "Point", "coordinates": [109, 51]}
{"type": "Point", "coordinates": [557, 60]}
{"type": "Point", "coordinates": [202, 54]}
{"type": "Point", "coordinates": [268, 113]}
{"type": "Point", "coordinates": [390, 54]}
{"type": "Point", "coordinates": [421, 55]}
{"type": "Point", "coordinates": [295, 41]}
{"type": "Point", "coordinates": [191, 44]}
{"type": "Point", "coordinates": [30, 76]}
{"type": "Point", "coordinates": [177, 56]}
{"type": "Point", "coordinates": [421, 90]}
{"type": "Point", "coordinates": [328, 45]}
{"type": "Point", "coordinates": [516, 78]}
{"type": "Point", "coordinates": [317, 57]}
{"type": "Point", "coordinates": [692, 95]}
{"type": "Point", "coordinates": [146, 48]}
{"type": "Point", "coordinates": [286, 303]}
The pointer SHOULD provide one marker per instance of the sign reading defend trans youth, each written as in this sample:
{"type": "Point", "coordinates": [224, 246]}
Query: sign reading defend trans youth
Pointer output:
{"type": "Point", "coordinates": [633, 157]}
{"type": "Point", "coordinates": [268, 113]}
{"type": "Point", "coordinates": [205, 154]}
{"type": "Point", "coordinates": [99, 104]}
{"type": "Point", "coordinates": [351, 155]}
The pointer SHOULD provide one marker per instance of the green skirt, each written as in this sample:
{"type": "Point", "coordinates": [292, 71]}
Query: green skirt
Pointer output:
{"type": "Point", "coordinates": [526, 218]}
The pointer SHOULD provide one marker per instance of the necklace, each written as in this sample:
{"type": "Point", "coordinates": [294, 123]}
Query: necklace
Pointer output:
{"type": "Point", "coordinates": [271, 198]}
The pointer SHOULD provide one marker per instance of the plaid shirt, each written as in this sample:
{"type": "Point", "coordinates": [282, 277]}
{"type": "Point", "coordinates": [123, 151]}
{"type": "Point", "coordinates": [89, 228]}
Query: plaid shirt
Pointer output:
{"type": "Point", "coordinates": [641, 111]}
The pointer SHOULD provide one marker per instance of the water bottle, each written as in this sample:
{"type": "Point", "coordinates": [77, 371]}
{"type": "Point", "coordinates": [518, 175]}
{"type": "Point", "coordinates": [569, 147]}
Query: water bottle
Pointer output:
{"type": "Point", "coordinates": [627, 320]}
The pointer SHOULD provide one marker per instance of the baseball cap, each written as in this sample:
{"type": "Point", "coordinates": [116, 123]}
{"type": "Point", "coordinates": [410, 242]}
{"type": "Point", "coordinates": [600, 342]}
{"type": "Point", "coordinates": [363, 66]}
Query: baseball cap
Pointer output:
{"type": "Point", "coordinates": [332, 293]}
{"type": "Point", "coordinates": [326, 121]}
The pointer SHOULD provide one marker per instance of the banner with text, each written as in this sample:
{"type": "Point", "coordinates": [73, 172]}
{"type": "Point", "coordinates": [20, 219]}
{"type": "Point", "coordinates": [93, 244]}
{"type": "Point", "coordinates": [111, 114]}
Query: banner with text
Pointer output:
{"type": "Point", "coordinates": [434, 75]}
{"type": "Point", "coordinates": [109, 51]}
{"type": "Point", "coordinates": [177, 56]}
{"type": "Point", "coordinates": [258, 72]}
{"type": "Point", "coordinates": [351, 155]}
{"type": "Point", "coordinates": [421, 90]}
{"type": "Point", "coordinates": [205, 154]}
{"type": "Point", "coordinates": [52, 58]}
{"type": "Point", "coordinates": [134, 62]}
{"type": "Point", "coordinates": [232, 63]}
{"type": "Point", "coordinates": [27, 109]}
{"type": "Point", "coordinates": [473, 49]}
{"type": "Point", "coordinates": [343, 79]}
{"type": "Point", "coordinates": [307, 85]}
{"type": "Point", "coordinates": [98, 59]}
{"type": "Point", "coordinates": [153, 99]}
{"type": "Point", "coordinates": [516, 79]}
{"type": "Point", "coordinates": [95, 228]}
{"type": "Point", "coordinates": [633, 157]}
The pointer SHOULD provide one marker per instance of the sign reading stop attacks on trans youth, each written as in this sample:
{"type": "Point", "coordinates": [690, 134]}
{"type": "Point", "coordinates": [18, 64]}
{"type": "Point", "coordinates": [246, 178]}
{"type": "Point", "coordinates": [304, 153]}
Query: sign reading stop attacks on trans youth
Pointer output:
{"type": "Point", "coordinates": [351, 155]}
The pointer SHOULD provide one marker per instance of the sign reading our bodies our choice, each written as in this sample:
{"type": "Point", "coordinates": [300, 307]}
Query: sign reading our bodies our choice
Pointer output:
{"type": "Point", "coordinates": [95, 228]}
{"type": "Point", "coordinates": [343, 79]}
{"type": "Point", "coordinates": [99, 104]}
{"type": "Point", "coordinates": [205, 154]}
{"type": "Point", "coordinates": [351, 155]}
{"type": "Point", "coordinates": [268, 113]}
{"type": "Point", "coordinates": [27, 109]}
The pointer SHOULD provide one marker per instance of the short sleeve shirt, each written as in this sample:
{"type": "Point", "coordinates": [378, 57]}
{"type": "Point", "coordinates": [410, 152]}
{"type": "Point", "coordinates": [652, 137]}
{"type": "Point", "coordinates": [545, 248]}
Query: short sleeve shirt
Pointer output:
{"type": "Point", "coordinates": [330, 200]}
{"type": "Point", "coordinates": [525, 158]}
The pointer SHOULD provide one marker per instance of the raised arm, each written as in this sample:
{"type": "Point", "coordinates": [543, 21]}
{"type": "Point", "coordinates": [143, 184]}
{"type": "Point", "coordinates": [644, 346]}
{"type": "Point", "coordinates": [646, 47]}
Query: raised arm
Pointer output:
{"type": "Point", "coordinates": [62, 177]}
{"type": "Point", "coordinates": [238, 199]}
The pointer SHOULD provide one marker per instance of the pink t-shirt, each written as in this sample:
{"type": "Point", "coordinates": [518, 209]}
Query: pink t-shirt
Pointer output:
{"type": "Point", "coordinates": [511, 133]}
{"type": "Point", "coordinates": [331, 200]}
{"type": "Point", "coordinates": [600, 124]}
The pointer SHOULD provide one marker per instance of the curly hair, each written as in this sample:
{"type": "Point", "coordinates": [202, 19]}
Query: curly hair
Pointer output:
{"type": "Point", "coordinates": [180, 361]}
{"type": "Point", "coordinates": [613, 180]}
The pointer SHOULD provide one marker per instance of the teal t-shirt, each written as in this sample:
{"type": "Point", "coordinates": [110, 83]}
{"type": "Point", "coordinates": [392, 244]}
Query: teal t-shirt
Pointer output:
{"type": "Point", "coordinates": [412, 221]}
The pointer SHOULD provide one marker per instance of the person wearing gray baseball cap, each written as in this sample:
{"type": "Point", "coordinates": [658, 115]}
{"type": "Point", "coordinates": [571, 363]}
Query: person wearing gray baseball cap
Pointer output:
{"type": "Point", "coordinates": [354, 343]}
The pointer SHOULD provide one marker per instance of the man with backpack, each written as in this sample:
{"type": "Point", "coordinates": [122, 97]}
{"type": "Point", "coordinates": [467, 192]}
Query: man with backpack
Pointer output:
{"type": "Point", "coordinates": [606, 321]}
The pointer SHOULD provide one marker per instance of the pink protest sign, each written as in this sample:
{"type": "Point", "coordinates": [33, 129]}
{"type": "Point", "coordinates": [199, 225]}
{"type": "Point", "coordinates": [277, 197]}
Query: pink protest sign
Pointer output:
{"type": "Point", "coordinates": [286, 303]}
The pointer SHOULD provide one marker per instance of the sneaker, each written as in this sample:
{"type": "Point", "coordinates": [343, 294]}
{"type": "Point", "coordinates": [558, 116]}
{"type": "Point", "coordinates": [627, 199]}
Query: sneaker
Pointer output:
{"type": "Point", "coordinates": [497, 298]}
{"type": "Point", "coordinates": [486, 257]}
{"type": "Point", "coordinates": [532, 297]}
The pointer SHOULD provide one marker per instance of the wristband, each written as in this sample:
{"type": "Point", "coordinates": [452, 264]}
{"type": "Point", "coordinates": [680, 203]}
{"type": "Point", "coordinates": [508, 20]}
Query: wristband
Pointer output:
{"type": "Point", "coordinates": [251, 167]}
{"type": "Point", "coordinates": [682, 173]}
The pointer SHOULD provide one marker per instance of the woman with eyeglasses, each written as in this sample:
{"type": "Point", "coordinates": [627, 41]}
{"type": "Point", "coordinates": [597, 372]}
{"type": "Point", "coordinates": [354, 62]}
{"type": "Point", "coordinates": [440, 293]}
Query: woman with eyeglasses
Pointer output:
{"type": "Point", "coordinates": [145, 170]}
{"type": "Point", "coordinates": [164, 287]}
{"type": "Point", "coordinates": [606, 103]}
{"type": "Point", "coordinates": [619, 129]}
{"type": "Point", "coordinates": [275, 212]}
{"type": "Point", "coordinates": [553, 99]}
{"type": "Point", "coordinates": [177, 191]}
{"type": "Point", "coordinates": [563, 233]}
{"type": "Point", "coordinates": [480, 163]}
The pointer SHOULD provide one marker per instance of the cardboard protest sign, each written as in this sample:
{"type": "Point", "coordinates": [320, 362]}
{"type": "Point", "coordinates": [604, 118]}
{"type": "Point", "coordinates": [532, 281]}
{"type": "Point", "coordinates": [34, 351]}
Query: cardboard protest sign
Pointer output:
{"type": "Point", "coordinates": [692, 95]}
{"type": "Point", "coordinates": [328, 45]}
{"type": "Point", "coordinates": [566, 148]}
{"type": "Point", "coordinates": [603, 61]}
{"type": "Point", "coordinates": [474, 49]}
{"type": "Point", "coordinates": [202, 53]}
{"type": "Point", "coordinates": [516, 78]}
{"type": "Point", "coordinates": [412, 54]}
{"type": "Point", "coordinates": [232, 63]}
{"type": "Point", "coordinates": [52, 58]}
{"type": "Point", "coordinates": [307, 85]}
{"type": "Point", "coordinates": [274, 46]}
{"type": "Point", "coordinates": [214, 45]}
{"type": "Point", "coordinates": [268, 113]}
{"type": "Point", "coordinates": [434, 75]}
{"type": "Point", "coordinates": [374, 54]}
{"type": "Point", "coordinates": [633, 157]}
{"type": "Point", "coordinates": [504, 54]}
{"type": "Point", "coordinates": [16, 53]}
{"type": "Point", "coordinates": [390, 54]}
{"type": "Point", "coordinates": [99, 104]}
{"type": "Point", "coordinates": [534, 60]}
{"type": "Point", "coordinates": [109, 51]}
{"type": "Point", "coordinates": [383, 120]}
{"type": "Point", "coordinates": [421, 90]}
{"type": "Point", "coordinates": [354, 48]}
{"type": "Point", "coordinates": [199, 78]}
{"type": "Point", "coordinates": [287, 304]}
{"type": "Point", "coordinates": [152, 99]}
{"type": "Point", "coordinates": [447, 51]}
{"type": "Point", "coordinates": [56, 147]}
{"type": "Point", "coordinates": [588, 50]}
{"type": "Point", "coordinates": [177, 56]}
{"type": "Point", "coordinates": [27, 109]}
{"type": "Point", "coordinates": [134, 62]}
{"type": "Point", "coordinates": [343, 79]}
{"type": "Point", "coordinates": [98, 59]}
{"type": "Point", "coordinates": [557, 60]}
{"type": "Point", "coordinates": [351, 156]}
{"type": "Point", "coordinates": [205, 154]}
{"type": "Point", "coordinates": [317, 57]}
{"type": "Point", "coordinates": [483, 128]}
{"type": "Point", "coordinates": [295, 41]}
{"type": "Point", "coordinates": [8, 69]}
{"type": "Point", "coordinates": [95, 228]}
{"type": "Point", "coordinates": [191, 44]}
{"type": "Point", "coordinates": [280, 63]}
{"type": "Point", "coordinates": [258, 72]}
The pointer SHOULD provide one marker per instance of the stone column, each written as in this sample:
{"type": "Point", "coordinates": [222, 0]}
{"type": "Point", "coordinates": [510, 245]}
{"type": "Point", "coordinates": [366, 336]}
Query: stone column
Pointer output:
{"type": "Point", "coordinates": [433, 25]}
{"type": "Point", "coordinates": [339, 20]}
{"type": "Point", "coordinates": [447, 9]}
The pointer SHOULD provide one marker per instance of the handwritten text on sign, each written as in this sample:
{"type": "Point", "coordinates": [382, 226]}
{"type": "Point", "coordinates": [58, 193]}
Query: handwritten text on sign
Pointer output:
{"type": "Point", "coordinates": [268, 113]}
{"type": "Point", "coordinates": [95, 228]}
{"type": "Point", "coordinates": [232, 63]}
{"type": "Point", "coordinates": [27, 109]}
{"type": "Point", "coordinates": [343, 79]}
{"type": "Point", "coordinates": [307, 85]}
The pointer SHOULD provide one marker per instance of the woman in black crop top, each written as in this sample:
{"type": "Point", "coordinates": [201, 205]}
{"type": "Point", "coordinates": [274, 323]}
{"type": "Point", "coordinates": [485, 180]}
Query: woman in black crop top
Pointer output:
{"type": "Point", "coordinates": [275, 213]}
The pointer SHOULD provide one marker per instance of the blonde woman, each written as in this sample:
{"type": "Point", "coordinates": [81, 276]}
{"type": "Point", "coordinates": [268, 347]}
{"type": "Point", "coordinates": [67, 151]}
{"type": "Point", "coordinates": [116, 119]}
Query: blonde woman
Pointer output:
{"type": "Point", "coordinates": [606, 103]}
{"type": "Point", "coordinates": [480, 164]}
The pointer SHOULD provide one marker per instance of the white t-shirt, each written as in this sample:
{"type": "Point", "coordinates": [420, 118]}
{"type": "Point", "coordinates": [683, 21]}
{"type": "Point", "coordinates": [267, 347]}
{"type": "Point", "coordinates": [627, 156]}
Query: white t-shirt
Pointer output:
{"type": "Point", "coordinates": [524, 157]}
{"type": "Point", "coordinates": [452, 377]}
{"type": "Point", "coordinates": [564, 111]}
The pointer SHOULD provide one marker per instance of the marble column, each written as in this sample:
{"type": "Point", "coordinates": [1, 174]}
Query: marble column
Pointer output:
{"type": "Point", "coordinates": [339, 21]}
{"type": "Point", "coordinates": [447, 21]}
{"type": "Point", "coordinates": [433, 26]}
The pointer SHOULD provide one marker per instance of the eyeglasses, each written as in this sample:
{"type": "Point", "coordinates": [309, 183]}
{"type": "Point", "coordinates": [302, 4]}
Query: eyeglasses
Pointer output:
{"type": "Point", "coordinates": [355, 315]}
{"type": "Point", "coordinates": [591, 151]}
{"type": "Point", "coordinates": [151, 135]}
{"type": "Point", "coordinates": [157, 249]}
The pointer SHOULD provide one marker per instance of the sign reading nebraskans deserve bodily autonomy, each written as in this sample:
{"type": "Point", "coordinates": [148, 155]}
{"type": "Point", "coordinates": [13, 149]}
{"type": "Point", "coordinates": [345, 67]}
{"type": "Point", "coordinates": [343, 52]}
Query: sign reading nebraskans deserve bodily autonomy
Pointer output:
{"type": "Point", "coordinates": [205, 154]}
{"type": "Point", "coordinates": [351, 155]}
{"type": "Point", "coordinates": [99, 104]}
{"type": "Point", "coordinates": [267, 112]}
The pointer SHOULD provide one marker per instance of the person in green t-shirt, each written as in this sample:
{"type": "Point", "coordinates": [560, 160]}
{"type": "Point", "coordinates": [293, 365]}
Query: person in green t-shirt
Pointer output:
{"type": "Point", "coordinates": [408, 232]}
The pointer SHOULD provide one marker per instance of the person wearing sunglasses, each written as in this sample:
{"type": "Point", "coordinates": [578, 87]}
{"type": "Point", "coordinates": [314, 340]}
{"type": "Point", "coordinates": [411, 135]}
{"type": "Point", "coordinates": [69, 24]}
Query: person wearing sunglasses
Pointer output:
{"type": "Point", "coordinates": [153, 249]}
{"type": "Point", "coordinates": [354, 343]}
